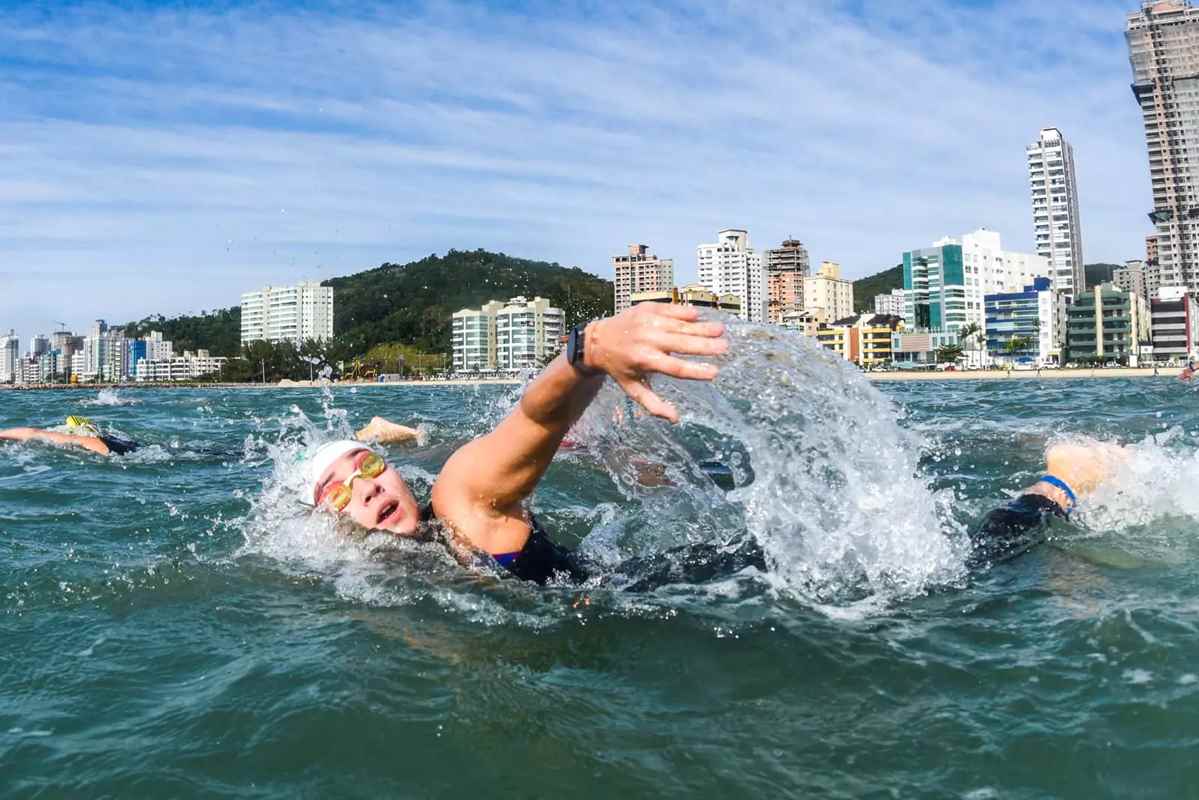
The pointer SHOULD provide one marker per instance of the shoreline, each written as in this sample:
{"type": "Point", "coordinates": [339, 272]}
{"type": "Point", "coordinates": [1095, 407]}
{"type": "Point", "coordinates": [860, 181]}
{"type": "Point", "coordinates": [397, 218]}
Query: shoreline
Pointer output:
{"type": "Point", "coordinates": [1019, 375]}
{"type": "Point", "coordinates": [881, 377]}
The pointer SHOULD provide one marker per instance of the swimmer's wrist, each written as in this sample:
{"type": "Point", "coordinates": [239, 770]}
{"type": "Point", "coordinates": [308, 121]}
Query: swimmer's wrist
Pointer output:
{"type": "Point", "coordinates": [1057, 490]}
{"type": "Point", "coordinates": [589, 365]}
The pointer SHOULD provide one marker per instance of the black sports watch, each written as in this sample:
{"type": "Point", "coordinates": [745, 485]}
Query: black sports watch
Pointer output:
{"type": "Point", "coordinates": [574, 348]}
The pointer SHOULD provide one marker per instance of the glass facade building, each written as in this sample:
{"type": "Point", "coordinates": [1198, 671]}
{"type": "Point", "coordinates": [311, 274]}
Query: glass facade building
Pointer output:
{"type": "Point", "coordinates": [934, 285]}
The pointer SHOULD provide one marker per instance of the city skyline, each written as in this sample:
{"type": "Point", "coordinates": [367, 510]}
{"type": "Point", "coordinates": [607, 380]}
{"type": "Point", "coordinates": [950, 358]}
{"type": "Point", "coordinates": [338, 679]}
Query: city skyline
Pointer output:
{"type": "Point", "coordinates": [358, 140]}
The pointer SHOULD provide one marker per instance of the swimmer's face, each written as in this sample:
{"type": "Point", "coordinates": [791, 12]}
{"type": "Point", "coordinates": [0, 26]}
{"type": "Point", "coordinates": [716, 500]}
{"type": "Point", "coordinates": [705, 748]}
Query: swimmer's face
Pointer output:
{"type": "Point", "coordinates": [382, 503]}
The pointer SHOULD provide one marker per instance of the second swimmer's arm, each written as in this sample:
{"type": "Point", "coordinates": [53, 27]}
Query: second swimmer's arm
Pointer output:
{"type": "Point", "coordinates": [93, 443]}
{"type": "Point", "coordinates": [385, 431]}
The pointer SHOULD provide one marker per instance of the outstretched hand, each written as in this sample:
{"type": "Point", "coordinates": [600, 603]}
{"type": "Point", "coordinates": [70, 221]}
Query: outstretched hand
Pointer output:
{"type": "Point", "coordinates": [647, 339]}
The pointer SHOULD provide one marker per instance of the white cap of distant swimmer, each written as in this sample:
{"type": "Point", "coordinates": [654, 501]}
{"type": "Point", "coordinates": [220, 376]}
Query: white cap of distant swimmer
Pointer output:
{"type": "Point", "coordinates": [322, 459]}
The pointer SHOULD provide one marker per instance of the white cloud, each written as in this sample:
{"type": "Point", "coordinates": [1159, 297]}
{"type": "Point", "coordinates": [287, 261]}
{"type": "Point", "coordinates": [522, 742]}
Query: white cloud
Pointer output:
{"type": "Point", "coordinates": [180, 157]}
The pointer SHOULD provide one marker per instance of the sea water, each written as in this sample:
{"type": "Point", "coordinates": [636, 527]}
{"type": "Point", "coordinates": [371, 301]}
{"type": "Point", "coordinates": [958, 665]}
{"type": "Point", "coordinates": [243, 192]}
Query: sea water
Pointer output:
{"type": "Point", "coordinates": [175, 624]}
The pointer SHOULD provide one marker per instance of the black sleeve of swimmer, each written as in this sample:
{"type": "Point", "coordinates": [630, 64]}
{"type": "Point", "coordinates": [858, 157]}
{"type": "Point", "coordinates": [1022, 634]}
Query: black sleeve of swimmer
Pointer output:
{"type": "Point", "coordinates": [1013, 529]}
{"type": "Point", "coordinates": [542, 559]}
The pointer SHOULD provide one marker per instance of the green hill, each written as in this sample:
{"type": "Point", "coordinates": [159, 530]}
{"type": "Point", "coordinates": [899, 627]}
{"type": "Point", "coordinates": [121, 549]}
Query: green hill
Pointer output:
{"type": "Point", "coordinates": [408, 303]}
{"type": "Point", "coordinates": [412, 303]}
{"type": "Point", "coordinates": [883, 282]}
{"type": "Point", "coordinates": [218, 332]}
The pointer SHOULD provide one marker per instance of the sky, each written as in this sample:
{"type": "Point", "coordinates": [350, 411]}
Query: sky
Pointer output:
{"type": "Point", "coordinates": [161, 158]}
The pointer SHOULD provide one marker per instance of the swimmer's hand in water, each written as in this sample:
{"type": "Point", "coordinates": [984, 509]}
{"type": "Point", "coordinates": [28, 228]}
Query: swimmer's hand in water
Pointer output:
{"type": "Point", "coordinates": [647, 339]}
{"type": "Point", "coordinates": [385, 431]}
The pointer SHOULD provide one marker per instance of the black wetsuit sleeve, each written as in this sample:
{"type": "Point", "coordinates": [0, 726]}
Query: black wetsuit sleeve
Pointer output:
{"type": "Point", "coordinates": [541, 559]}
{"type": "Point", "coordinates": [1012, 530]}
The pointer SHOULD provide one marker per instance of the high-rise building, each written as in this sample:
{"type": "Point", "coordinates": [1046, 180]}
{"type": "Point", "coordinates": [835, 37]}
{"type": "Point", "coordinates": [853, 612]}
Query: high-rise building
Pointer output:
{"type": "Point", "coordinates": [519, 334]}
{"type": "Point", "coordinates": [1055, 210]}
{"type": "Point", "coordinates": [640, 271]}
{"type": "Point", "coordinates": [1163, 47]}
{"type": "Point", "coordinates": [786, 267]}
{"type": "Point", "coordinates": [1131, 278]}
{"type": "Point", "coordinates": [473, 338]}
{"type": "Point", "coordinates": [10, 356]}
{"type": "Point", "coordinates": [1023, 325]}
{"type": "Point", "coordinates": [38, 345]}
{"type": "Point", "coordinates": [527, 333]}
{"type": "Point", "coordinates": [1107, 324]}
{"type": "Point", "coordinates": [826, 295]}
{"type": "Point", "coordinates": [731, 266]}
{"type": "Point", "coordinates": [1174, 317]}
{"type": "Point", "coordinates": [287, 314]}
{"type": "Point", "coordinates": [892, 304]}
{"type": "Point", "coordinates": [945, 286]}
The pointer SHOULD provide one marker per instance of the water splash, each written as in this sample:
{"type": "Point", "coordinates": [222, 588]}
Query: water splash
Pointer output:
{"type": "Point", "coordinates": [110, 397]}
{"type": "Point", "coordinates": [827, 479]}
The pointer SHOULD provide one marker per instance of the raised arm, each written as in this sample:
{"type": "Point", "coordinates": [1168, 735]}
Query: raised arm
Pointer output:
{"type": "Point", "coordinates": [93, 443]}
{"type": "Point", "coordinates": [480, 491]}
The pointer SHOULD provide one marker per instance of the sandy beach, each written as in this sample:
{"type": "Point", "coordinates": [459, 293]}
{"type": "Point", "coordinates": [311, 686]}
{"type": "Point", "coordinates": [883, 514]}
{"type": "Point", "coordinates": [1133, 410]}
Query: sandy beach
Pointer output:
{"type": "Point", "coordinates": [1018, 375]}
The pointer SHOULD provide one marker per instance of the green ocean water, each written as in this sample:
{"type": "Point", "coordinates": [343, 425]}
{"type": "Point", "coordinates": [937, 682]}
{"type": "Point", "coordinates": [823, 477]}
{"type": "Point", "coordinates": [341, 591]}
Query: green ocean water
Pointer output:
{"type": "Point", "coordinates": [173, 625]}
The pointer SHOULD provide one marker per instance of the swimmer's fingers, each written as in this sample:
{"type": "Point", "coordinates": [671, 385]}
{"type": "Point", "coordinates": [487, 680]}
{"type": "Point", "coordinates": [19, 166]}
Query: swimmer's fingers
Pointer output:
{"type": "Point", "coordinates": [685, 313]}
{"type": "Point", "coordinates": [708, 330]}
{"type": "Point", "coordinates": [645, 396]}
{"type": "Point", "coordinates": [664, 364]}
{"type": "Point", "coordinates": [691, 345]}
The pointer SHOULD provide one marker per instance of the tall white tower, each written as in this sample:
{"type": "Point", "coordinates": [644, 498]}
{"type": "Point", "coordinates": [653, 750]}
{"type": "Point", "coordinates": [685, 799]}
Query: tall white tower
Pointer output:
{"type": "Point", "coordinates": [1055, 210]}
{"type": "Point", "coordinates": [731, 266]}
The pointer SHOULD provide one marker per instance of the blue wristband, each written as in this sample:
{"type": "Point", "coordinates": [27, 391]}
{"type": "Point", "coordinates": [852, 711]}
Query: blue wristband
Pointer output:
{"type": "Point", "coordinates": [1065, 487]}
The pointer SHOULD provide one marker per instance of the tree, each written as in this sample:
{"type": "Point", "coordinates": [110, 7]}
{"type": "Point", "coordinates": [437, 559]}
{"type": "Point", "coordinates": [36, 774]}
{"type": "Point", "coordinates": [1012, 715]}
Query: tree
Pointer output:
{"type": "Point", "coordinates": [970, 332]}
{"type": "Point", "coordinates": [949, 354]}
{"type": "Point", "coordinates": [1017, 345]}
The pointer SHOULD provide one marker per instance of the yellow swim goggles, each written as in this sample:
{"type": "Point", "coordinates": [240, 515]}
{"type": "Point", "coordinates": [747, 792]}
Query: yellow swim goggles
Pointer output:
{"type": "Point", "coordinates": [338, 495]}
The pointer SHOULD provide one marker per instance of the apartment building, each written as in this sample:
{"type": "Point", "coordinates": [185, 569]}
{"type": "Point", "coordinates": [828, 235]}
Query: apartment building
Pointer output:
{"type": "Point", "coordinates": [287, 314]}
{"type": "Point", "coordinates": [1056, 222]}
{"type": "Point", "coordinates": [640, 271]}
{"type": "Point", "coordinates": [731, 266]}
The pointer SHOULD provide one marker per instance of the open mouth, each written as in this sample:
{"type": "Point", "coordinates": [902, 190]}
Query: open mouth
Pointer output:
{"type": "Point", "coordinates": [387, 512]}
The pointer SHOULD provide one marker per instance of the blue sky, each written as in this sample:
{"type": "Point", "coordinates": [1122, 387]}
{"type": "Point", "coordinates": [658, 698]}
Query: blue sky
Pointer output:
{"type": "Point", "coordinates": [165, 158]}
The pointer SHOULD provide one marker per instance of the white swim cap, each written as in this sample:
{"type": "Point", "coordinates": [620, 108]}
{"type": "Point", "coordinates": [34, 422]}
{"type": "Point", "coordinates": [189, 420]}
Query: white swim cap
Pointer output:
{"type": "Point", "coordinates": [321, 460]}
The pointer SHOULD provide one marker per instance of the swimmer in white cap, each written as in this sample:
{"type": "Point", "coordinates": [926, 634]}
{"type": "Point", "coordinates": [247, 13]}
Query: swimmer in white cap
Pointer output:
{"type": "Point", "coordinates": [479, 495]}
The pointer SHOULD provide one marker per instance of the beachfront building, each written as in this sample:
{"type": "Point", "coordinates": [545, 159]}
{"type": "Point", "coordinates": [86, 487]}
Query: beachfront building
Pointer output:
{"type": "Point", "coordinates": [506, 337]}
{"type": "Point", "coordinates": [1174, 325]}
{"type": "Point", "coordinates": [10, 354]}
{"type": "Point", "coordinates": [287, 314]}
{"type": "Point", "coordinates": [826, 294]}
{"type": "Point", "coordinates": [472, 333]}
{"type": "Point", "coordinates": [528, 333]}
{"type": "Point", "coordinates": [1055, 214]}
{"type": "Point", "coordinates": [945, 285]}
{"type": "Point", "coordinates": [919, 348]}
{"type": "Point", "coordinates": [640, 271]}
{"type": "Point", "coordinates": [693, 295]}
{"type": "Point", "coordinates": [786, 268]}
{"type": "Point", "coordinates": [38, 345]}
{"type": "Point", "coordinates": [187, 367]}
{"type": "Point", "coordinates": [892, 303]}
{"type": "Point", "coordinates": [803, 321]}
{"type": "Point", "coordinates": [863, 339]}
{"type": "Point", "coordinates": [1131, 278]}
{"type": "Point", "coordinates": [934, 288]}
{"type": "Point", "coordinates": [1107, 324]}
{"type": "Point", "coordinates": [731, 266]}
{"type": "Point", "coordinates": [1163, 45]}
{"type": "Point", "coordinates": [1022, 326]}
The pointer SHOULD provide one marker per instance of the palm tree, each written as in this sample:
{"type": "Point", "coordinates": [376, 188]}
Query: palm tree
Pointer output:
{"type": "Point", "coordinates": [949, 353]}
{"type": "Point", "coordinates": [970, 331]}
